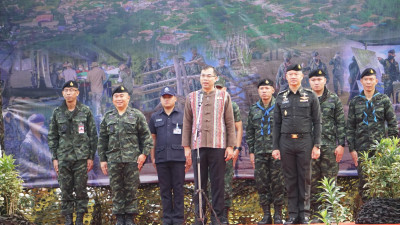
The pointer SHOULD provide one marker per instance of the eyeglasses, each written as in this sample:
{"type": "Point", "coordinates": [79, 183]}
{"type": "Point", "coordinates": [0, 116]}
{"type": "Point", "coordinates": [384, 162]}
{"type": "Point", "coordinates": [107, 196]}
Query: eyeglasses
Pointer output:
{"type": "Point", "coordinates": [69, 90]}
{"type": "Point", "coordinates": [207, 76]}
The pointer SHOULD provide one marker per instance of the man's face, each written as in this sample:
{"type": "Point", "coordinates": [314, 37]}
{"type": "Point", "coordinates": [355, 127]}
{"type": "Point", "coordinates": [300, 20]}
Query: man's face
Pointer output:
{"type": "Point", "coordinates": [392, 54]}
{"type": "Point", "coordinates": [265, 92]}
{"type": "Point", "coordinates": [194, 51]}
{"type": "Point", "coordinates": [70, 94]}
{"type": "Point", "coordinates": [221, 62]}
{"type": "Point", "coordinates": [121, 100]}
{"type": "Point", "coordinates": [168, 101]}
{"type": "Point", "coordinates": [208, 78]}
{"type": "Point", "coordinates": [294, 78]}
{"type": "Point", "coordinates": [369, 82]}
{"type": "Point", "coordinates": [317, 83]}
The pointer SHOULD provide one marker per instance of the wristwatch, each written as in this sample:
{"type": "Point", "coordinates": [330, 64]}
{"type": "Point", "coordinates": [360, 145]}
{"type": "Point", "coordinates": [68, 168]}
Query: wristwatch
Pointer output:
{"type": "Point", "coordinates": [237, 148]}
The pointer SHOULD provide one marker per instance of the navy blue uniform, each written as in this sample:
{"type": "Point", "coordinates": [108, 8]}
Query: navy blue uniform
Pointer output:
{"type": "Point", "coordinates": [170, 161]}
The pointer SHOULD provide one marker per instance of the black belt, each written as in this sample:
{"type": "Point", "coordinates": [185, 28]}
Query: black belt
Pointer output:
{"type": "Point", "coordinates": [295, 136]}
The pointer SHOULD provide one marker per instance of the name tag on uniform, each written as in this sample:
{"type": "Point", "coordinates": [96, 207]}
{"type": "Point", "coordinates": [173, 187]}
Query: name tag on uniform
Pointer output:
{"type": "Point", "coordinates": [177, 130]}
{"type": "Point", "coordinates": [81, 128]}
{"type": "Point", "coordinates": [158, 120]}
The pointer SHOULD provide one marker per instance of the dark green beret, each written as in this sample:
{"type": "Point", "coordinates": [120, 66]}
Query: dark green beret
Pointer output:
{"type": "Point", "coordinates": [295, 67]}
{"type": "Point", "coordinates": [120, 89]}
{"type": "Point", "coordinates": [368, 72]}
{"type": "Point", "coordinates": [317, 73]}
{"type": "Point", "coordinates": [265, 82]}
{"type": "Point", "coordinates": [70, 84]}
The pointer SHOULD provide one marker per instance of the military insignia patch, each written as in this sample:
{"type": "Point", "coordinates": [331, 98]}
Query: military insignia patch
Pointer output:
{"type": "Point", "coordinates": [319, 72]}
{"type": "Point", "coordinates": [122, 88]}
{"type": "Point", "coordinates": [71, 84]}
{"type": "Point", "coordinates": [267, 82]}
{"type": "Point", "coordinates": [298, 66]}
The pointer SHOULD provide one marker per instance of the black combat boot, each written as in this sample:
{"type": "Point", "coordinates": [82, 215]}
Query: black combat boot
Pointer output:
{"type": "Point", "coordinates": [267, 219]}
{"type": "Point", "coordinates": [224, 217]}
{"type": "Point", "coordinates": [129, 218]}
{"type": "Point", "coordinates": [68, 219]}
{"type": "Point", "coordinates": [120, 219]}
{"type": "Point", "coordinates": [278, 215]}
{"type": "Point", "coordinates": [79, 218]}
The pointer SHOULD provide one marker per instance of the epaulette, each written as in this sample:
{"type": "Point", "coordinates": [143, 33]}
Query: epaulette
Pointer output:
{"type": "Point", "coordinates": [281, 92]}
{"type": "Point", "coordinates": [307, 89]}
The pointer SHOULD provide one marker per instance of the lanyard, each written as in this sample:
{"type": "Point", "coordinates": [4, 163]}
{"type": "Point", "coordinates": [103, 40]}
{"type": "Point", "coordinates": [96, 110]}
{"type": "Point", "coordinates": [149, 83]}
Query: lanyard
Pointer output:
{"type": "Point", "coordinates": [365, 120]}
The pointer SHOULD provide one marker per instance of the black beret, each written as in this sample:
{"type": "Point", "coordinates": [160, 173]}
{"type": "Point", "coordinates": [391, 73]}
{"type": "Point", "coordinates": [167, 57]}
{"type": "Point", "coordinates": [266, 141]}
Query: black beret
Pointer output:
{"type": "Point", "coordinates": [317, 73]}
{"type": "Point", "coordinates": [392, 51]}
{"type": "Point", "coordinates": [295, 67]}
{"type": "Point", "coordinates": [120, 89]}
{"type": "Point", "coordinates": [70, 83]}
{"type": "Point", "coordinates": [265, 82]}
{"type": "Point", "coordinates": [368, 72]}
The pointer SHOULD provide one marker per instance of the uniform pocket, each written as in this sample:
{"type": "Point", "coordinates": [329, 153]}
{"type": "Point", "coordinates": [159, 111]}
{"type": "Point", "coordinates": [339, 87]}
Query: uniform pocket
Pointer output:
{"type": "Point", "coordinates": [130, 127]}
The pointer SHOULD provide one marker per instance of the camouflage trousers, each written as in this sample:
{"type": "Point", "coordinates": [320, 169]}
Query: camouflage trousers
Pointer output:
{"type": "Point", "coordinates": [269, 180]}
{"type": "Point", "coordinates": [325, 166]}
{"type": "Point", "coordinates": [228, 185]}
{"type": "Point", "coordinates": [72, 177]}
{"type": "Point", "coordinates": [124, 182]}
{"type": "Point", "coordinates": [338, 80]}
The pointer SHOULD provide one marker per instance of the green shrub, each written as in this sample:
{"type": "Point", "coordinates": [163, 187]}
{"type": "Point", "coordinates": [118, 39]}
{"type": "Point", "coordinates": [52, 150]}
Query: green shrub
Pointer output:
{"type": "Point", "coordinates": [10, 185]}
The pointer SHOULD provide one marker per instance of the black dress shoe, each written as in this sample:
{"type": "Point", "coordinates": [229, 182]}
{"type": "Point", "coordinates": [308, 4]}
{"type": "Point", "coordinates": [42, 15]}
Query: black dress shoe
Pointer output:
{"type": "Point", "coordinates": [292, 220]}
{"type": "Point", "coordinates": [304, 220]}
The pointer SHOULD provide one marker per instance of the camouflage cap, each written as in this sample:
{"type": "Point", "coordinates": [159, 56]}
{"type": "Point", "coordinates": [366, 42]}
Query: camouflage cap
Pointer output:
{"type": "Point", "coordinates": [220, 82]}
{"type": "Point", "coordinates": [71, 84]}
{"type": "Point", "coordinates": [265, 82]}
{"type": "Point", "coordinates": [120, 89]}
{"type": "Point", "coordinates": [368, 72]}
{"type": "Point", "coordinates": [317, 73]}
{"type": "Point", "coordinates": [295, 67]}
{"type": "Point", "coordinates": [36, 118]}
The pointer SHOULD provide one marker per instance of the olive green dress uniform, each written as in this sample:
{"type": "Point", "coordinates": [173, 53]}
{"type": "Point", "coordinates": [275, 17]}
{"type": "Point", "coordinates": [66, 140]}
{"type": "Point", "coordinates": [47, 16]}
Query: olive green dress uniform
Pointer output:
{"type": "Point", "coordinates": [366, 124]}
{"type": "Point", "coordinates": [333, 134]}
{"type": "Point", "coordinates": [122, 139]}
{"type": "Point", "coordinates": [297, 128]}
{"type": "Point", "coordinates": [72, 139]}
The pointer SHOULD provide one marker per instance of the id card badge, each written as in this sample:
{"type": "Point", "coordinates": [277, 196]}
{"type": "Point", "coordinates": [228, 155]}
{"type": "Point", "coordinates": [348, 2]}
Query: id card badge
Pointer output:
{"type": "Point", "coordinates": [81, 128]}
{"type": "Point", "coordinates": [177, 130]}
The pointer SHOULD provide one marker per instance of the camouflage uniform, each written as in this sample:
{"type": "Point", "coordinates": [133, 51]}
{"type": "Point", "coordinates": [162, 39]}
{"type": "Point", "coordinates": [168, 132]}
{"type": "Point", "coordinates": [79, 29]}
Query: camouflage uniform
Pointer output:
{"type": "Point", "coordinates": [127, 80]}
{"type": "Point", "coordinates": [365, 125]}
{"type": "Point", "coordinates": [35, 161]}
{"type": "Point", "coordinates": [333, 134]}
{"type": "Point", "coordinates": [11, 146]}
{"type": "Point", "coordinates": [355, 75]}
{"type": "Point", "coordinates": [338, 72]}
{"type": "Point", "coordinates": [121, 140]}
{"type": "Point", "coordinates": [224, 71]}
{"type": "Point", "coordinates": [281, 77]}
{"type": "Point", "coordinates": [267, 173]}
{"type": "Point", "coordinates": [195, 69]}
{"type": "Point", "coordinates": [391, 74]}
{"type": "Point", "coordinates": [72, 140]}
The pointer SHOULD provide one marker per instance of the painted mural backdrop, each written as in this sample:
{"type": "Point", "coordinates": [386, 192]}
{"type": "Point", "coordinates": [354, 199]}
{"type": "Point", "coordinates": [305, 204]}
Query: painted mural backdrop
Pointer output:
{"type": "Point", "coordinates": [166, 42]}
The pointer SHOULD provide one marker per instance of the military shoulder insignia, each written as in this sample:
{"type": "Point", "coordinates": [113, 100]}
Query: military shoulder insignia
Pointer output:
{"type": "Point", "coordinates": [281, 92]}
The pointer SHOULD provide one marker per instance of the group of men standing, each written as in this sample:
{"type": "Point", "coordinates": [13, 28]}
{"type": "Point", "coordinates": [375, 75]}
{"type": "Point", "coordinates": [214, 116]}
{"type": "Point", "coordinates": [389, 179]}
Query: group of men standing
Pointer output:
{"type": "Point", "coordinates": [300, 133]}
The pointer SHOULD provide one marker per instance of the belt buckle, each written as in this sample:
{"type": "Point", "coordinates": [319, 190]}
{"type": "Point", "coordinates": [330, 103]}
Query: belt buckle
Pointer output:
{"type": "Point", "coordinates": [294, 136]}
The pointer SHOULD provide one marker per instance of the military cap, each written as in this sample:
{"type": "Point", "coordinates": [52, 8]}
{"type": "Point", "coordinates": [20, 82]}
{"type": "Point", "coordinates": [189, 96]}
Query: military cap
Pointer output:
{"type": "Point", "coordinates": [295, 67]}
{"type": "Point", "coordinates": [392, 51]}
{"type": "Point", "coordinates": [36, 118]}
{"type": "Point", "coordinates": [120, 89]}
{"type": "Point", "coordinates": [314, 53]}
{"type": "Point", "coordinates": [71, 84]}
{"type": "Point", "coordinates": [95, 64]}
{"type": "Point", "coordinates": [167, 91]}
{"type": "Point", "coordinates": [220, 82]}
{"type": "Point", "coordinates": [287, 55]}
{"type": "Point", "coordinates": [265, 82]}
{"type": "Point", "coordinates": [368, 72]}
{"type": "Point", "coordinates": [317, 73]}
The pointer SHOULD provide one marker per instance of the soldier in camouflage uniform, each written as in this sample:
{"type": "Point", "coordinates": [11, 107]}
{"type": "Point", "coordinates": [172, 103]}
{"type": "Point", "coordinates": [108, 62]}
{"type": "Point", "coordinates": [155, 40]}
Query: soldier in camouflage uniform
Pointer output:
{"type": "Point", "coordinates": [392, 73]}
{"type": "Point", "coordinates": [72, 139]}
{"type": "Point", "coordinates": [268, 172]}
{"type": "Point", "coordinates": [221, 85]}
{"type": "Point", "coordinates": [195, 67]}
{"type": "Point", "coordinates": [222, 69]}
{"type": "Point", "coordinates": [332, 137]}
{"type": "Point", "coordinates": [338, 71]}
{"type": "Point", "coordinates": [368, 113]}
{"type": "Point", "coordinates": [314, 64]}
{"type": "Point", "coordinates": [124, 142]}
{"type": "Point", "coordinates": [281, 82]}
